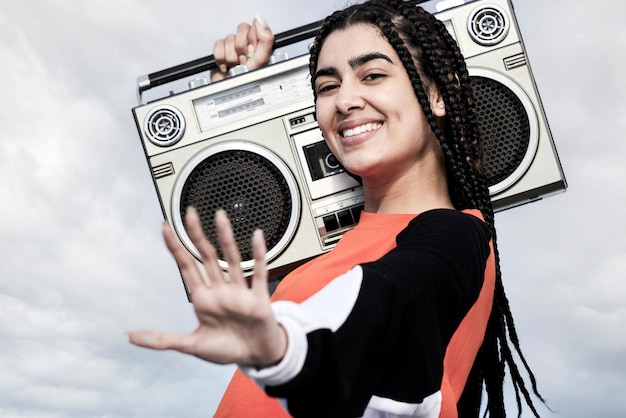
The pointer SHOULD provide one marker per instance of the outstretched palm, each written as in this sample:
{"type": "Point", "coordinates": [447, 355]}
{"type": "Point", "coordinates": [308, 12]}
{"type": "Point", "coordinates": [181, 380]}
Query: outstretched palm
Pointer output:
{"type": "Point", "coordinates": [236, 324]}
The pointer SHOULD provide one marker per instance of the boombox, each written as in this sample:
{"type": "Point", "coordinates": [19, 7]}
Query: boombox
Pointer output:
{"type": "Point", "coordinates": [250, 144]}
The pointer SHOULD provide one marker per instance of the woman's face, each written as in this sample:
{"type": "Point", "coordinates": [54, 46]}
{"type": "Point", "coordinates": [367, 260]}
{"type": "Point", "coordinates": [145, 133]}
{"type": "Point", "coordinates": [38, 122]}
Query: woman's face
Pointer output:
{"type": "Point", "coordinates": [366, 106]}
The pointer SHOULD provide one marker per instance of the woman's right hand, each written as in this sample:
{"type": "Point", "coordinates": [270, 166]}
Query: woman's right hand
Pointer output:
{"type": "Point", "coordinates": [251, 46]}
{"type": "Point", "coordinates": [235, 321]}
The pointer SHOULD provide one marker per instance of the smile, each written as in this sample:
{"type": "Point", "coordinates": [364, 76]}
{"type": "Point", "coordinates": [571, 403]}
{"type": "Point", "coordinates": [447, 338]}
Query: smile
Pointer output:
{"type": "Point", "coordinates": [360, 129]}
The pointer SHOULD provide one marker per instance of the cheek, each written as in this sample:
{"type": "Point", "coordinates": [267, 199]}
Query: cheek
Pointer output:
{"type": "Point", "coordinates": [324, 118]}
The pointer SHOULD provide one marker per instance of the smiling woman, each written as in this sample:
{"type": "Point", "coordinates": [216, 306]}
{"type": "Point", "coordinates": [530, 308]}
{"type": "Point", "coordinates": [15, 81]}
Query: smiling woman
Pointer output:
{"type": "Point", "coordinates": [407, 316]}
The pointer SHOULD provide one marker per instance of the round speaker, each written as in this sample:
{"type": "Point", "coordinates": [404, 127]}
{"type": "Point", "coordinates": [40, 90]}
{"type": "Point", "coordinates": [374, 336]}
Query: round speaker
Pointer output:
{"type": "Point", "coordinates": [253, 186]}
{"type": "Point", "coordinates": [488, 25]}
{"type": "Point", "coordinates": [164, 125]}
{"type": "Point", "coordinates": [508, 125]}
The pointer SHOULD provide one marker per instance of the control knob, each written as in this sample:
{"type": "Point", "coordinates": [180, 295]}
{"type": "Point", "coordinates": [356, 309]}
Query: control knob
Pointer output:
{"type": "Point", "coordinates": [278, 56]}
{"type": "Point", "coordinates": [237, 70]}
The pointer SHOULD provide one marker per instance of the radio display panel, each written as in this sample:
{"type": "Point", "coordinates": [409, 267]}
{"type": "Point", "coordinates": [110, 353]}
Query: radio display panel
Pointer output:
{"type": "Point", "coordinates": [252, 98]}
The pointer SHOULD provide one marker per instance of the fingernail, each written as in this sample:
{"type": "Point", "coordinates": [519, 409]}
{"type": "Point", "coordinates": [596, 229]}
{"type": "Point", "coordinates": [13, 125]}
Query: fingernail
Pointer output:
{"type": "Point", "coordinates": [257, 233]}
{"type": "Point", "coordinates": [250, 51]}
{"type": "Point", "coordinates": [261, 21]}
{"type": "Point", "coordinates": [220, 212]}
{"type": "Point", "coordinates": [223, 68]}
{"type": "Point", "coordinates": [190, 209]}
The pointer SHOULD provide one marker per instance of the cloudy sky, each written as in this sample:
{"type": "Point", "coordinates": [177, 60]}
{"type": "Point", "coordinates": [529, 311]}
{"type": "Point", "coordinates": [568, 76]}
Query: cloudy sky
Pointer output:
{"type": "Point", "coordinates": [81, 257]}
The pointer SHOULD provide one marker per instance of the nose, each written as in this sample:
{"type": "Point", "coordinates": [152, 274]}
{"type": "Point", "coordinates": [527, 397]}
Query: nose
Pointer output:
{"type": "Point", "coordinates": [348, 98]}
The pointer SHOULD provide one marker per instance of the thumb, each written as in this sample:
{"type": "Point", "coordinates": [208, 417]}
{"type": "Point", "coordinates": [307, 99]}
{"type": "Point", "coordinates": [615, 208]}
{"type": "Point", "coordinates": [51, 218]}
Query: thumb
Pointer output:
{"type": "Point", "coordinates": [156, 340]}
{"type": "Point", "coordinates": [263, 44]}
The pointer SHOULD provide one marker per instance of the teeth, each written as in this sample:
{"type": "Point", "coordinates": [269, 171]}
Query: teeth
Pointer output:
{"type": "Point", "coordinates": [360, 129]}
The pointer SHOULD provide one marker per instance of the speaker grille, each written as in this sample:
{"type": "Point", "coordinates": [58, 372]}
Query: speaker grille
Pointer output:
{"type": "Point", "coordinates": [252, 190]}
{"type": "Point", "coordinates": [488, 25]}
{"type": "Point", "coordinates": [504, 128]}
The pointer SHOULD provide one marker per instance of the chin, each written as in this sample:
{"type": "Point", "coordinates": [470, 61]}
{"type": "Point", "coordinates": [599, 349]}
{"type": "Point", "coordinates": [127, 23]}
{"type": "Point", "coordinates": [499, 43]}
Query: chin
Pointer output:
{"type": "Point", "coordinates": [355, 176]}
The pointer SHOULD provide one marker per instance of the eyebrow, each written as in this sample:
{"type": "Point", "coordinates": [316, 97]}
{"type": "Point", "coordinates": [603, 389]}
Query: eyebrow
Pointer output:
{"type": "Point", "coordinates": [365, 58]}
{"type": "Point", "coordinates": [354, 63]}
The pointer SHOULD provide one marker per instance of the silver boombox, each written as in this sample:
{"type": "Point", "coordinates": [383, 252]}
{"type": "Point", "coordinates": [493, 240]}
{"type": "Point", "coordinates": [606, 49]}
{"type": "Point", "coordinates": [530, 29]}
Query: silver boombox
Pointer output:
{"type": "Point", "coordinates": [250, 144]}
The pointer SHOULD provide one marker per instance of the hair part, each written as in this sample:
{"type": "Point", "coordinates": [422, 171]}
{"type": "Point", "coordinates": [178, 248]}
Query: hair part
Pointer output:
{"type": "Point", "coordinates": [432, 57]}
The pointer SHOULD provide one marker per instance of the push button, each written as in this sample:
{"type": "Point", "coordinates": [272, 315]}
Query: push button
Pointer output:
{"type": "Point", "coordinates": [356, 213]}
{"type": "Point", "coordinates": [330, 222]}
{"type": "Point", "coordinates": [345, 218]}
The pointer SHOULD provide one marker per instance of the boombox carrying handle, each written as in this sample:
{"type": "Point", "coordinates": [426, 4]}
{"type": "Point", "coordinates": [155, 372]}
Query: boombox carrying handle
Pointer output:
{"type": "Point", "coordinates": [199, 65]}
{"type": "Point", "coordinates": [281, 40]}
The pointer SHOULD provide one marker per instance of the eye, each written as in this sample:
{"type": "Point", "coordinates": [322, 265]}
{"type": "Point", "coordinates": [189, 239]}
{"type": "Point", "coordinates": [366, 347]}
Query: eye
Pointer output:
{"type": "Point", "coordinates": [326, 87]}
{"type": "Point", "coordinates": [373, 76]}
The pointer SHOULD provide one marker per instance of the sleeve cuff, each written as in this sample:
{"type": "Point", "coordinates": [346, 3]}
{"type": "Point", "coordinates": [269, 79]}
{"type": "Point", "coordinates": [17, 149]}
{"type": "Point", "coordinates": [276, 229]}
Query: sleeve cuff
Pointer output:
{"type": "Point", "coordinates": [294, 358]}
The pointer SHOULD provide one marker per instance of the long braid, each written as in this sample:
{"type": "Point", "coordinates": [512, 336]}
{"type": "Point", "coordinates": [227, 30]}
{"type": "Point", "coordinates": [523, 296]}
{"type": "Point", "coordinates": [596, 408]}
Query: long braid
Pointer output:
{"type": "Point", "coordinates": [429, 54]}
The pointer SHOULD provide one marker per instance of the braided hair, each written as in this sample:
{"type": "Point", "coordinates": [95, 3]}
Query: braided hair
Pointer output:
{"type": "Point", "coordinates": [430, 55]}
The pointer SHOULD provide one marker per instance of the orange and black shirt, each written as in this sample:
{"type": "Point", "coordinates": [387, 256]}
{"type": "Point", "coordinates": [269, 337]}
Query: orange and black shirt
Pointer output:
{"type": "Point", "coordinates": [387, 324]}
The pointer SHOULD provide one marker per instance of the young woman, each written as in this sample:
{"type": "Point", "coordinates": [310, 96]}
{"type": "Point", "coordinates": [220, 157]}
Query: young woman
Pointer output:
{"type": "Point", "coordinates": [407, 315]}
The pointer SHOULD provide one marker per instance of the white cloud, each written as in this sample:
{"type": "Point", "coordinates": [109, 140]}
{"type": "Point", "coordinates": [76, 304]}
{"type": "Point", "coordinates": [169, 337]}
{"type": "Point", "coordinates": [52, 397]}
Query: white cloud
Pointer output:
{"type": "Point", "coordinates": [81, 257]}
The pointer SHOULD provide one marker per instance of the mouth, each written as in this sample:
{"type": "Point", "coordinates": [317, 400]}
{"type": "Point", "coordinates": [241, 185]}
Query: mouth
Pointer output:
{"type": "Point", "coordinates": [367, 127]}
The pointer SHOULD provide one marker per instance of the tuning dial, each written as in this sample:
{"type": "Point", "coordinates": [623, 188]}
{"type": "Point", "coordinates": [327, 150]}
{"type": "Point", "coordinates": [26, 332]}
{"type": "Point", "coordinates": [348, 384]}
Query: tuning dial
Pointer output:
{"type": "Point", "coordinates": [198, 82]}
{"type": "Point", "coordinates": [237, 69]}
{"type": "Point", "coordinates": [278, 56]}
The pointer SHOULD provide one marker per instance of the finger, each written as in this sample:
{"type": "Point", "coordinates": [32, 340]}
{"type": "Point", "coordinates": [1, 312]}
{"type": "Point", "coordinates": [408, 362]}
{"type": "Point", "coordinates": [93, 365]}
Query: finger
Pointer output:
{"type": "Point", "coordinates": [228, 244]}
{"type": "Point", "coordinates": [253, 40]}
{"type": "Point", "coordinates": [208, 253]}
{"type": "Point", "coordinates": [185, 261]}
{"type": "Point", "coordinates": [259, 276]}
{"type": "Point", "coordinates": [219, 54]}
{"type": "Point", "coordinates": [263, 43]}
{"type": "Point", "coordinates": [231, 55]}
{"type": "Point", "coordinates": [241, 42]}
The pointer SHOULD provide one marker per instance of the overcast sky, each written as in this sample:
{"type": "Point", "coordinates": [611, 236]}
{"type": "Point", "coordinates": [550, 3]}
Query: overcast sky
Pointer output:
{"type": "Point", "coordinates": [82, 260]}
